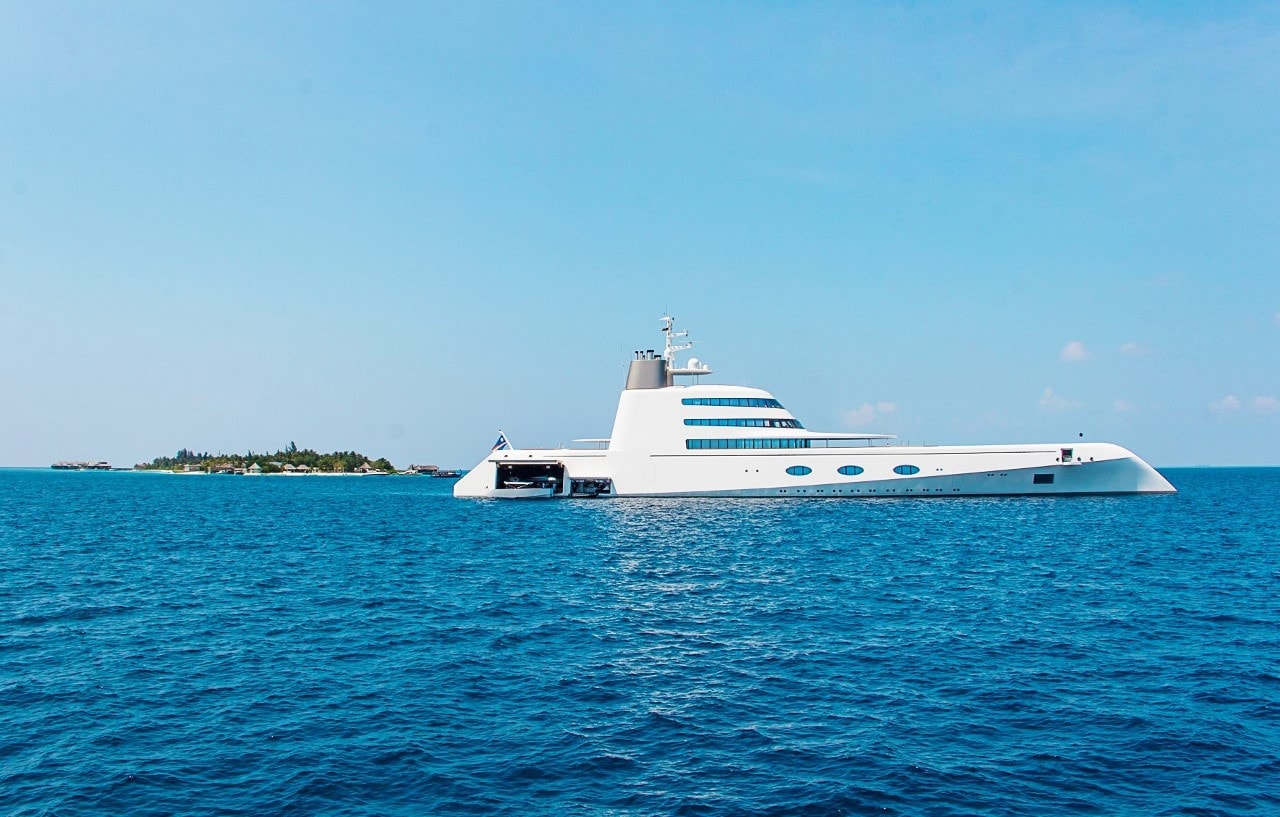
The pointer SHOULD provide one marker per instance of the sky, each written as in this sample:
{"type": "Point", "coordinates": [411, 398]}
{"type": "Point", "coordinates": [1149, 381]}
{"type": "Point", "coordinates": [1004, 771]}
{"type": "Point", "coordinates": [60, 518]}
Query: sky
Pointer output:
{"type": "Point", "coordinates": [399, 227]}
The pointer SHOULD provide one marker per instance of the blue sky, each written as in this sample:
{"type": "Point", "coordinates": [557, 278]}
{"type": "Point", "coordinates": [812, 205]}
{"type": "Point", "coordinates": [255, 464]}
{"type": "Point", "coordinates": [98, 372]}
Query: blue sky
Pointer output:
{"type": "Point", "coordinates": [399, 227]}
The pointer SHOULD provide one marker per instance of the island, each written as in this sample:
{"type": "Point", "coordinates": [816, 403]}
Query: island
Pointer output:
{"type": "Point", "coordinates": [289, 460]}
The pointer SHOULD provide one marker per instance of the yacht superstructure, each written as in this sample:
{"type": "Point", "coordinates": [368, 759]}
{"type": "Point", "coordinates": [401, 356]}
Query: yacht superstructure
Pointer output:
{"type": "Point", "coordinates": [678, 440]}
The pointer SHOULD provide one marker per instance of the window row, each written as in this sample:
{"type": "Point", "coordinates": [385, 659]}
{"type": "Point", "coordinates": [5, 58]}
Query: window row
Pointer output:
{"type": "Point", "coordinates": [735, 402]}
{"type": "Point", "coordinates": [799, 470]}
{"type": "Point", "coordinates": [853, 470]}
{"type": "Point", "coordinates": [751, 422]}
{"type": "Point", "coordinates": [748, 443]}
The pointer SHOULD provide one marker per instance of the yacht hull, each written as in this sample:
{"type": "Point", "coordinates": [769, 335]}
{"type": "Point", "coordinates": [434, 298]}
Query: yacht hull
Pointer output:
{"type": "Point", "coordinates": [1096, 468]}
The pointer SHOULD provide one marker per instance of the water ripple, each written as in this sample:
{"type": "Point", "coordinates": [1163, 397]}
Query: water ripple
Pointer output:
{"type": "Point", "coordinates": [373, 647]}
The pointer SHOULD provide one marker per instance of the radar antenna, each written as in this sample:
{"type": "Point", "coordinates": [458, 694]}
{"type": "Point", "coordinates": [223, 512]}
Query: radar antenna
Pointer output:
{"type": "Point", "coordinates": [668, 329]}
{"type": "Point", "coordinates": [694, 367]}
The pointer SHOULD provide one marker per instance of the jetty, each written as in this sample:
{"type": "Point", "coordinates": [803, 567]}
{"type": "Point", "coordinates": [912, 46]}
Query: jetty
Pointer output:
{"type": "Point", "coordinates": [81, 465]}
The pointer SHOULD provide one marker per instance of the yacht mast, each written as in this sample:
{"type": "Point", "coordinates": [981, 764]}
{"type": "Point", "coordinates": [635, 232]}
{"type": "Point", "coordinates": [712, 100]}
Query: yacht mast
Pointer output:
{"type": "Point", "coordinates": [668, 329]}
{"type": "Point", "coordinates": [694, 366]}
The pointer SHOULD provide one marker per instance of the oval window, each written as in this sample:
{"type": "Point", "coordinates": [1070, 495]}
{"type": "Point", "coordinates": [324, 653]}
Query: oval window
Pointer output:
{"type": "Point", "coordinates": [850, 470]}
{"type": "Point", "coordinates": [799, 470]}
{"type": "Point", "coordinates": [906, 470]}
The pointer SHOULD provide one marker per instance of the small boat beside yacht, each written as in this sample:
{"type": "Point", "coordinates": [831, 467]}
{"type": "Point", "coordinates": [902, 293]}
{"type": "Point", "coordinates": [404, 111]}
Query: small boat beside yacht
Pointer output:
{"type": "Point", "coordinates": [673, 439]}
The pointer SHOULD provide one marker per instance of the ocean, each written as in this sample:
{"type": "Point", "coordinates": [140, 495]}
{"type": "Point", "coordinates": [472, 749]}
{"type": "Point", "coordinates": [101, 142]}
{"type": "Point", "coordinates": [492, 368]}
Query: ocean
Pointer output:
{"type": "Point", "coordinates": [229, 645]}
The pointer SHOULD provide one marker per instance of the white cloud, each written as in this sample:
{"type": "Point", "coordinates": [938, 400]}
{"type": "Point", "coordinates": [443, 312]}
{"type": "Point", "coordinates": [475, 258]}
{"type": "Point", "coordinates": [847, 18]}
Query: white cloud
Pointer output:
{"type": "Point", "coordinates": [1052, 401]}
{"type": "Point", "coordinates": [1264, 404]}
{"type": "Point", "coordinates": [860, 416]}
{"type": "Point", "coordinates": [1074, 351]}
{"type": "Point", "coordinates": [1124, 407]}
{"type": "Point", "coordinates": [1226, 404]}
{"type": "Point", "coordinates": [1132, 348]}
{"type": "Point", "coordinates": [868, 412]}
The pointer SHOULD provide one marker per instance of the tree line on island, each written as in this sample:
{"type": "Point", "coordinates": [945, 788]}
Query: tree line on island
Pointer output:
{"type": "Point", "coordinates": [335, 462]}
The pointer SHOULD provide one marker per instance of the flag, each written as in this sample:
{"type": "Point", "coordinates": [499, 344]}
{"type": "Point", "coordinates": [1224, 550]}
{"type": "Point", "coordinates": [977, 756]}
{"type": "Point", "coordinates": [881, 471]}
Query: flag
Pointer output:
{"type": "Point", "coordinates": [501, 444]}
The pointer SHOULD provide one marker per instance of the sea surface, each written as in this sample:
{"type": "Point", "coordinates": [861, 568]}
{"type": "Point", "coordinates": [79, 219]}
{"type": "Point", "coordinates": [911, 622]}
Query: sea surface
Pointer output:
{"type": "Point", "coordinates": [371, 646]}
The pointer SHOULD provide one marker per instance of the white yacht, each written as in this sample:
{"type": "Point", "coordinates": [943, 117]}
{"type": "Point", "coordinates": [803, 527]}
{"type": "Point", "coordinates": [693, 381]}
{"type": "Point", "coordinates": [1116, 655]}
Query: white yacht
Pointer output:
{"type": "Point", "coordinates": [676, 440]}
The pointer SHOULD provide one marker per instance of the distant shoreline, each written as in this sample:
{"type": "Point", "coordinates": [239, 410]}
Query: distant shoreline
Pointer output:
{"type": "Point", "coordinates": [273, 473]}
{"type": "Point", "coordinates": [402, 473]}
{"type": "Point", "coordinates": [442, 473]}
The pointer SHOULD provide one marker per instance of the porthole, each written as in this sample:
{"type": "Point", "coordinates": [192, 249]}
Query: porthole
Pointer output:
{"type": "Point", "coordinates": [799, 470]}
{"type": "Point", "coordinates": [906, 470]}
{"type": "Point", "coordinates": [850, 470]}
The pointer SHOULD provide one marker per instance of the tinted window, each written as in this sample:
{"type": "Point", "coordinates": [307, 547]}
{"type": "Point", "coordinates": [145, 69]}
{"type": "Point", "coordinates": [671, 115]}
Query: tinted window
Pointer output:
{"type": "Point", "coordinates": [850, 470]}
{"type": "Point", "coordinates": [734, 402]}
{"type": "Point", "coordinates": [799, 470]}
{"type": "Point", "coordinates": [906, 470]}
{"type": "Point", "coordinates": [743, 422]}
{"type": "Point", "coordinates": [757, 442]}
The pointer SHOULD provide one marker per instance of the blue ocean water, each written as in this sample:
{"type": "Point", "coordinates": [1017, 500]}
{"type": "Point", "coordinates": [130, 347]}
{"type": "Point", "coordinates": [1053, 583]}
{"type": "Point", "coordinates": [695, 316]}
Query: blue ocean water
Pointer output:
{"type": "Point", "coordinates": [246, 646]}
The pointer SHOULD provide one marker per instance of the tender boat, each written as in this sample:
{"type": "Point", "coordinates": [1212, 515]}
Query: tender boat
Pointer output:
{"type": "Point", "coordinates": [676, 440]}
